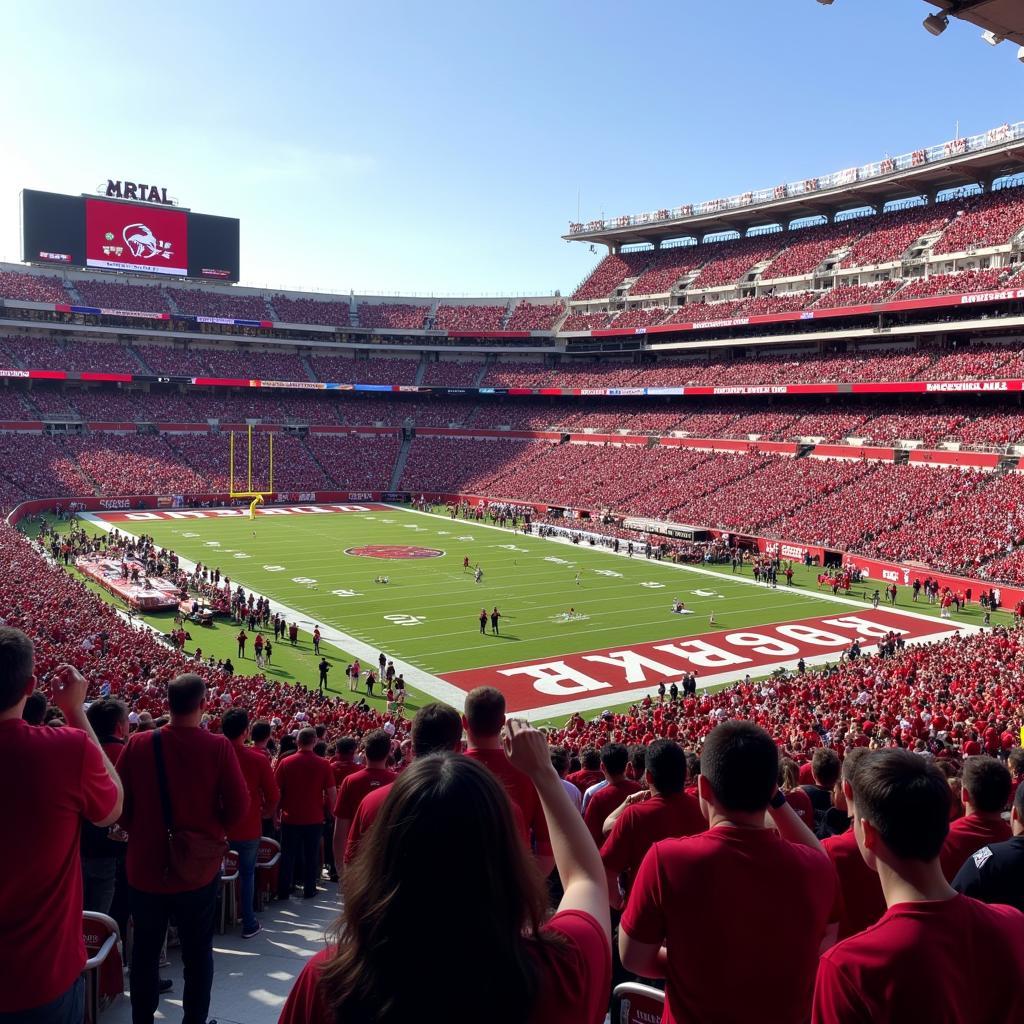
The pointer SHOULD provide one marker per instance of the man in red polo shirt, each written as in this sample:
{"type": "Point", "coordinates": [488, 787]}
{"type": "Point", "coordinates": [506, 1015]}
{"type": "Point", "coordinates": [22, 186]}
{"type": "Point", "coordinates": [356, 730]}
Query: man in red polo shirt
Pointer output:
{"type": "Point", "coordinates": [208, 797]}
{"type": "Point", "coordinates": [484, 720]}
{"type": "Point", "coordinates": [307, 786]}
{"type": "Point", "coordinates": [55, 778]}
{"type": "Point", "coordinates": [985, 790]}
{"type": "Point", "coordinates": [606, 798]}
{"type": "Point", "coordinates": [435, 727]}
{"type": "Point", "coordinates": [358, 785]}
{"type": "Point", "coordinates": [935, 954]}
{"type": "Point", "coordinates": [733, 917]}
{"type": "Point", "coordinates": [863, 901]}
{"type": "Point", "coordinates": [662, 811]}
{"type": "Point", "coordinates": [263, 797]}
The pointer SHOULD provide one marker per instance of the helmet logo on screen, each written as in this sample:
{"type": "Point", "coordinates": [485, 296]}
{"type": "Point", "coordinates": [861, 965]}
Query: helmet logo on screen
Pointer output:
{"type": "Point", "coordinates": [143, 244]}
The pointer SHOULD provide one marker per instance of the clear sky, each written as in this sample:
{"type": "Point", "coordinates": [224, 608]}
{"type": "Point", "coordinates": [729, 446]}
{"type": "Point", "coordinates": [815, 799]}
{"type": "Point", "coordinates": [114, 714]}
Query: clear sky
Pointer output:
{"type": "Point", "coordinates": [439, 148]}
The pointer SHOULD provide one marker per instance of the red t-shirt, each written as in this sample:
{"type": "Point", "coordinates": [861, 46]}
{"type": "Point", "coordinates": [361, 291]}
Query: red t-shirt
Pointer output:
{"type": "Point", "coordinates": [366, 814]}
{"type": "Point", "coordinates": [863, 902]}
{"type": "Point", "coordinates": [725, 902]}
{"type": "Point", "coordinates": [958, 961]}
{"type": "Point", "coordinates": [304, 779]}
{"type": "Point", "coordinates": [342, 770]}
{"type": "Point", "coordinates": [521, 792]}
{"type": "Point", "coordinates": [801, 803]}
{"type": "Point", "coordinates": [356, 786]}
{"type": "Point", "coordinates": [54, 778]}
{"type": "Point", "coordinates": [585, 778]}
{"type": "Point", "coordinates": [603, 802]}
{"type": "Point", "coordinates": [642, 825]}
{"type": "Point", "coordinates": [207, 789]}
{"type": "Point", "coordinates": [263, 791]}
{"type": "Point", "coordinates": [573, 979]}
{"type": "Point", "coordinates": [966, 836]}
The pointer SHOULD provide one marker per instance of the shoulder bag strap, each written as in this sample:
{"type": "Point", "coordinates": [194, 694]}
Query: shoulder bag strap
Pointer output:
{"type": "Point", "coordinates": [161, 781]}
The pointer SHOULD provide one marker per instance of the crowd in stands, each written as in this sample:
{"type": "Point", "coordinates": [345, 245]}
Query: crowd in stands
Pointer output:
{"type": "Point", "coordinates": [449, 373]}
{"type": "Point", "coordinates": [611, 272]}
{"type": "Point", "coordinates": [729, 261]}
{"type": "Point", "coordinates": [107, 294]}
{"type": "Point", "coordinates": [207, 302]}
{"type": "Point", "coordinates": [891, 234]}
{"type": "Point", "coordinates": [639, 316]}
{"type": "Point", "coordinates": [469, 317]}
{"type": "Point", "coordinates": [858, 294]}
{"type": "Point", "coordinates": [535, 316]}
{"type": "Point", "coordinates": [983, 221]}
{"type": "Point", "coordinates": [379, 370]}
{"type": "Point", "coordinates": [307, 310]}
{"type": "Point", "coordinates": [395, 316]}
{"type": "Point", "coordinates": [577, 321]}
{"type": "Point", "coordinates": [665, 268]}
{"type": "Point", "coordinates": [945, 284]}
{"type": "Point", "coordinates": [808, 247]}
{"type": "Point", "coordinates": [32, 287]}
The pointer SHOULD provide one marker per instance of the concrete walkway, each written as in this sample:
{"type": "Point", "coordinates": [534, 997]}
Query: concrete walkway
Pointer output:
{"type": "Point", "coordinates": [252, 977]}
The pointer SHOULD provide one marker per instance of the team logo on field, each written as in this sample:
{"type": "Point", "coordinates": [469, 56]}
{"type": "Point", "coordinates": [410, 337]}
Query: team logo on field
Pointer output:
{"type": "Point", "coordinates": [394, 551]}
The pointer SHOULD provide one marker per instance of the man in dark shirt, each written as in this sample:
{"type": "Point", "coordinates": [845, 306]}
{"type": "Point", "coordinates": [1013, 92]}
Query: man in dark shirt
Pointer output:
{"type": "Point", "coordinates": [825, 770]}
{"type": "Point", "coordinates": [995, 873]}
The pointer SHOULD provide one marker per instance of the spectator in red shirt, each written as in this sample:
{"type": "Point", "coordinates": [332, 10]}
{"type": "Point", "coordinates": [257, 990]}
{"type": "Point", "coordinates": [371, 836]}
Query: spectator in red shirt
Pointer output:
{"type": "Point", "coordinates": [343, 764]}
{"type": "Point", "coordinates": [307, 786]}
{"type": "Point", "coordinates": [483, 720]}
{"type": "Point", "coordinates": [614, 760]}
{"type": "Point", "coordinates": [973, 953]}
{"type": "Point", "coordinates": [263, 797]}
{"type": "Point", "coordinates": [590, 773]}
{"type": "Point", "coordinates": [662, 811]}
{"type": "Point", "coordinates": [435, 728]}
{"type": "Point", "coordinates": [448, 826]}
{"type": "Point", "coordinates": [55, 777]}
{"type": "Point", "coordinates": [208, 798]}
{"type": "Point", "coordinates": [703, 907]}
{"type": "Point", "coordinates": [863, 901]}
{"type": "Point", "coordinates": [376, 746]}
{"type": "Point", "coordinates": [984, 790]}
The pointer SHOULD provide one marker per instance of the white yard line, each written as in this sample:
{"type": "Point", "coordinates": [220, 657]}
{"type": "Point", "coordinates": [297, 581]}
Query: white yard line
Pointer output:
{"type": "Point", "coordinates": [416, 677]}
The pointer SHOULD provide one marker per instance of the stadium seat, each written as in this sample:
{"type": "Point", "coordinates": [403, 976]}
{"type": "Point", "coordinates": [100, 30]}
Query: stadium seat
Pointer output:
{"type": "Point", "coordinates": [635, 1003]}
{"type": "Point", "coordinates": [104, 967]}
{"type": "Point", "coordinates": [229, 891]}
{"type": "Point", "coordinates": [268, 854]}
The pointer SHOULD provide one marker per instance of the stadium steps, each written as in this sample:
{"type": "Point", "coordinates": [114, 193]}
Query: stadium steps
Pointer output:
{"type": "Point", "coordinates": [421, 372]}
{"type": "Point", "coordinates": [171, 304]}
{"type": "Point", "coordinates": [478, 380]}
{"type": "Point", "coordinates": [69, 287]}
{"type": "Point", "coordinates": [270, 308]}
{"type": "Point", "coordinates": [803, 450]}
{"type": "Point", "coordinates": [901, 457]}
{"type": "Point", "coordinates": [399, 467]}
{"type": "Point", "coordinates": [316, 461]}
{"type": "Point", "coordinates": [308, 367]}
{"type": "Point", "coordinates": [137, 356]}
{"type": "Point", "coordinates": [1007, 464]}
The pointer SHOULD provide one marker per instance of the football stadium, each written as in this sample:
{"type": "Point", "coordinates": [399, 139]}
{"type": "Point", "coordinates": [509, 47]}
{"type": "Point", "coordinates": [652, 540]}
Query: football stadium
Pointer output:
{"type": "Point", "coordinates": [397, 657]}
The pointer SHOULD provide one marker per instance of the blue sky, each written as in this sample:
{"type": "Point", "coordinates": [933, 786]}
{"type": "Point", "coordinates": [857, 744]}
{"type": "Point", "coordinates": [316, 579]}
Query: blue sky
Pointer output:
{"type": "Point", "coordinates": [401, 147]}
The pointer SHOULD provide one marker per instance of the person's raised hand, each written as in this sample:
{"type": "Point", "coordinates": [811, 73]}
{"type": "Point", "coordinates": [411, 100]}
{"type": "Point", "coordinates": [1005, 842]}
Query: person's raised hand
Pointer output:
{"type": "Point", "coordinates": [527, 748]}
{"type": "Point", "coordinates": [69, 689]}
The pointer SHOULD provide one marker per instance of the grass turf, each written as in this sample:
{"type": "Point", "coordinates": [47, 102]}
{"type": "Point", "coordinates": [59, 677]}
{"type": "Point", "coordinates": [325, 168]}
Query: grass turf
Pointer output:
{"type": "Point", "coordinates": [427, 614]}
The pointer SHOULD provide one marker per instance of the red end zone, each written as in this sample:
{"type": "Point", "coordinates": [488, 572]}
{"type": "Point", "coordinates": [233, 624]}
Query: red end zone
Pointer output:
{"type": "Point", "coordinates": [157, 515]}
{"type": "Point", "coordinates": [611, 675]}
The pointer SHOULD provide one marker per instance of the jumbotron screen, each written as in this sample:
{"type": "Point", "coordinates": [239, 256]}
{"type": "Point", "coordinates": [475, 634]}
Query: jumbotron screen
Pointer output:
{"type": "Point", "coordinates": [142, 238]}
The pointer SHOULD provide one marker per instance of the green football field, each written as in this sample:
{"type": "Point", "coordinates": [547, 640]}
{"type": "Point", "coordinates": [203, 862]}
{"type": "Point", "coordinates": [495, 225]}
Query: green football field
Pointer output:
{"type": "Point", "coordinates": [557, 601]}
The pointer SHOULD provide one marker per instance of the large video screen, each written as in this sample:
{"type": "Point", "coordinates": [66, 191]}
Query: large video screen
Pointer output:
{"type": "Point", "coordinates": [123, 236]}
{"type": "Point", "coordinates": [142, 238]}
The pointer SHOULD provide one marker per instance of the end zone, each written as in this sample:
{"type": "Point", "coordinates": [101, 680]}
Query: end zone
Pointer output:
{"type": "Point", "coordinates": [156, 515]}
{"type": "Point", "coordinates": [593, 680]}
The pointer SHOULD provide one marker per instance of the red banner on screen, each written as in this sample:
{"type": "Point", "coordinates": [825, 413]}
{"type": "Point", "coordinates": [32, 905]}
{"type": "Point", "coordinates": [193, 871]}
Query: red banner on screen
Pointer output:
{"type": "Point", "coordinates": [119, 236]}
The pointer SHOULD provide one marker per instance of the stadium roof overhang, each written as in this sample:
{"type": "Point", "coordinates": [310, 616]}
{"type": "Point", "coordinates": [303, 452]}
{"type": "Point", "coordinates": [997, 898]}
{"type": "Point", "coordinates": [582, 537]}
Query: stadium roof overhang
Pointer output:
{"type": "Point", "coordinates": [1003, 18]}
{"type": "Point", "coordinates": [929, 178]}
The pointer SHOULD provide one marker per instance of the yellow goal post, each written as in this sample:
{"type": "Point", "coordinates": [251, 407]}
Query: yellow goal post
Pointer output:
{"type": "Point", "coordinates": [249, 491]}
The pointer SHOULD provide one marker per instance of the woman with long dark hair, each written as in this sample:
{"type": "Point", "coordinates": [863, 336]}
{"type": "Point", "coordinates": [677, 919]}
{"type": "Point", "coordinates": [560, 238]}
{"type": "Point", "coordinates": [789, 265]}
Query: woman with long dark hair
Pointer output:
{"type": "Point", "coordinates": [445, 910]}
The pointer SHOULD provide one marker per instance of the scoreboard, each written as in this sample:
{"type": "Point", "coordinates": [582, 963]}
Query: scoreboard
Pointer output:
{"type": "Point", "coordinates": [141, 238]}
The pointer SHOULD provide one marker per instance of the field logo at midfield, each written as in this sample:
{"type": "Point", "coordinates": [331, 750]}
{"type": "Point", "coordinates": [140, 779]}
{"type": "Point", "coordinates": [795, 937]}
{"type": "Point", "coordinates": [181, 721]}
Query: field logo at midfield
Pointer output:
{"type": "Point", "coordinates": [394, 551]}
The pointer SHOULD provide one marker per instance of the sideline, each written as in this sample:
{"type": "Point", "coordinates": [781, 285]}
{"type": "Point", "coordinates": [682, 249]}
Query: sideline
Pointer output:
{"type": "Point", "coordinates": [423, 681]}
